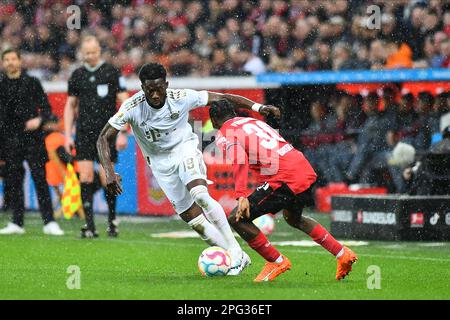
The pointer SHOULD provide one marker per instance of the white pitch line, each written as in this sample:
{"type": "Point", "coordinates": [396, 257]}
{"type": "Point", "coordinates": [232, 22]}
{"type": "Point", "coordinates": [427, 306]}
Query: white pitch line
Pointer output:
{"type": "Point", "coordinates": [151, 241]}
{"type": "Point", "coordinates": [375, 256]}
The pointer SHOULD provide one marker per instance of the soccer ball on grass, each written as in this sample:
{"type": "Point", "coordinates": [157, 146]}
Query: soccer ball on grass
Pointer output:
{"type": "Point", "coordinates": [214, 261]}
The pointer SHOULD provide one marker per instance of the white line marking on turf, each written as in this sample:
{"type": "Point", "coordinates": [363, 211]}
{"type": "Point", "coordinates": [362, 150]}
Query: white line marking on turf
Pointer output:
{"type": "Point", "coordinates": [376, 256]}
{"type": "Point", "coordinates": [176, 235]}
{"type": "Point", "coordinates": [151, 241]}
{"type": "Point", "coordinates": [175, 244]}
{"type": "Point", "coordinates": [432, 244]}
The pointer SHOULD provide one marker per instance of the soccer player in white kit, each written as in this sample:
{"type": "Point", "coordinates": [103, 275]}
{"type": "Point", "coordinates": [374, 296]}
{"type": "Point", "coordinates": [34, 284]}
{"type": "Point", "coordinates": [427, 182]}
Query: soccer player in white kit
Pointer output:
{"type": "Point", "coordinates": [158, 117]}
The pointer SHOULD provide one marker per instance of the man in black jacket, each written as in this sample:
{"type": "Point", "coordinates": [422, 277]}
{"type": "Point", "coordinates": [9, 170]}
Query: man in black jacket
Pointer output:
{"type": "Point", "coordinates": [24, 108]}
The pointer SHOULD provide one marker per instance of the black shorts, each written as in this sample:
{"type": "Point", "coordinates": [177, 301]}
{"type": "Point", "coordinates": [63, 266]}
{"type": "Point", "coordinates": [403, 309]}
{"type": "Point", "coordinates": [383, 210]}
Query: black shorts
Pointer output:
{"type": "Point", "coordinates": [266, 200]}
{"type": "Point", "coordinates": [86, 147]}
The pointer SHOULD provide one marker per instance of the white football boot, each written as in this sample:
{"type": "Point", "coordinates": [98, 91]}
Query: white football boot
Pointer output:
{"type": "Point", "coordinates": [53, 229]}
{"type": "Point", "coordinates": [12, 228]}
{"type": "Point", "coordinates": [239, 265]}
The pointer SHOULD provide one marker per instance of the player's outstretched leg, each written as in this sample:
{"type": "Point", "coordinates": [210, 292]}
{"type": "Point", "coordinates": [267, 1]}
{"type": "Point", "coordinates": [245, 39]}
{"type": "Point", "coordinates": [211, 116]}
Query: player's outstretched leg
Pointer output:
{"type": "Point", "coordinates": [215, 213]}
{"type": "Point", "coordinates": [344, 256]}
{"type": "Point", "coordinates": [276, 263]}
{"type": "Point", "coordinates": [197, 221]}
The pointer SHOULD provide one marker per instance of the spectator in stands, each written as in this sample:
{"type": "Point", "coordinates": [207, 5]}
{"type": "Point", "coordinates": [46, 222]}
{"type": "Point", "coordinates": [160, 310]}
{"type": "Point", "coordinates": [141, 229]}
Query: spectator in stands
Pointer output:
{"type": "Point", "coordinates": [316, 140]}
{"type": "Point", "coordinates": [445, 53]}
{"type": "Point", "coordinates": [252, 63]}
{"type": "Point", "coordinates": [342, 59]}
{"type": "Point", "coordinates": [341, 152]}
{"type": "Point", "coordinates": [272, 30]}
{"type": "Point", "coordinates": [371, 141]}
{"type": "Point", "coordinates": [220, 65]}
{"type": "Point", "coordinates": [406, 119]}
{"type": "Point", "coordinates": [440, 107]}
{"type": "Point", "coordinates": [416, 31]}
{"type": "Point", "coordinates": [390, 107]}
{"type": "Point", "coordinates": [398, 56]}
{"type": "Point", "coordinates": [421, 127]}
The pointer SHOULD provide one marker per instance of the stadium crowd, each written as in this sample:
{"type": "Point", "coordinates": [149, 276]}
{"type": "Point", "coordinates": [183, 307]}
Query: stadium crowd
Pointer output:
{"type": "Point", "coordinates": [230, 37]}
{"type": "Point", "coordinates": [351, 138]}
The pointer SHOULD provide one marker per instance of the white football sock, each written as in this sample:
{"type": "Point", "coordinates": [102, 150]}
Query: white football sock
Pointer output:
{"type": "Point", "coordinates": [214, 212]}
{"type": "Point", "coordinates": [340, 253]}
{"type": "Point", "coordinates": [208, 232]}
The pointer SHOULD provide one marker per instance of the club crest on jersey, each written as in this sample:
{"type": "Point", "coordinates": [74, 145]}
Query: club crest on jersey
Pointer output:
{"type": "Point", "coordinates": [102, 90]}
{"type": "Point", "coordinates": [174, 115]}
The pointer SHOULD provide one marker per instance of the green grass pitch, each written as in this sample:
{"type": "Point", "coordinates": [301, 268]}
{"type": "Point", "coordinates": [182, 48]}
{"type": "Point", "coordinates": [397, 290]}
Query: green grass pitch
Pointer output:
{"type": "Point", "coordinates": [139, 266]}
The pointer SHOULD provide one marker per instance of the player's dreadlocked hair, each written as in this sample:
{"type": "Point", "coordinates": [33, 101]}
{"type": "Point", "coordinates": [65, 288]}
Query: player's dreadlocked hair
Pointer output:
{"type": "Point", "coordinates": [222, 110]}
{"type": "Point", "coordinates": [152, 71]}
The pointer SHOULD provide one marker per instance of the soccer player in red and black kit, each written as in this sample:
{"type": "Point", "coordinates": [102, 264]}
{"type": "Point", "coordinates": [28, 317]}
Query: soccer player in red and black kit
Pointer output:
{"type": "Point", "coordinates": [286, 178]}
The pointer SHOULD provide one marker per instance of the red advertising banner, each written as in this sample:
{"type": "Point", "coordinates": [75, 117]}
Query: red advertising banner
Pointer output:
{"type": "Point", "coordinates": [151, 200]}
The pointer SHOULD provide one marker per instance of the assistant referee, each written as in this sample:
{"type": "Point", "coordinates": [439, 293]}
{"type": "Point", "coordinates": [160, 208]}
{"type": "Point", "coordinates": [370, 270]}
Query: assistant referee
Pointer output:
{"type": "Point", "coordinates": [24, 108]}
{"type": "Point", "coordinates": [93, 91]}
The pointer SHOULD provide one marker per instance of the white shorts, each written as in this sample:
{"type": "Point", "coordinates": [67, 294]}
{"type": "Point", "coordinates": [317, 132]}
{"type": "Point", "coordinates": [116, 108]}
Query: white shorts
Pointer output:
{"type": "Point", "coordinates": [173, 171]}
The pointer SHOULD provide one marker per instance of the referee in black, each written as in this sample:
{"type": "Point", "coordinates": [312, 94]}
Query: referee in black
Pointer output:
{"type": "Point", "coordinates": [93, 91]}
{"type": "Point", "coordinates": [24, 108]}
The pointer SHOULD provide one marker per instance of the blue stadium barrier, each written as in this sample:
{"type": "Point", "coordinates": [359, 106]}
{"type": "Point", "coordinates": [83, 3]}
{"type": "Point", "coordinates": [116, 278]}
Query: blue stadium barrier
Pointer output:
{"type": "Point", "coordinates": [354, 76]}
{"type": "Point", "coordinates": [126, 167]}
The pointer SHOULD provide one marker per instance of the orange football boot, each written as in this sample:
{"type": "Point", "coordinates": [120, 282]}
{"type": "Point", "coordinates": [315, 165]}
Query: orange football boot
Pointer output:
{"type": "Point", "coordinates": [272, 270]}
{"type": "Point", "coordinates": [344, 263]}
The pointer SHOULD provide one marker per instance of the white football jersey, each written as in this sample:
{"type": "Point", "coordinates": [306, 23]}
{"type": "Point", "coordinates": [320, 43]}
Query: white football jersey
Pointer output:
{"type": "Point", "coordinates": [160, 130]}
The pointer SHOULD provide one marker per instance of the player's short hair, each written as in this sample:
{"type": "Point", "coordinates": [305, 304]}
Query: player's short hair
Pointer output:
{"type": "Point", "coordinates": [152, 71]}
{"type": "Point", "coordinates": [10, 50]}
{"type": "Point", "coordinates": [221, 110]}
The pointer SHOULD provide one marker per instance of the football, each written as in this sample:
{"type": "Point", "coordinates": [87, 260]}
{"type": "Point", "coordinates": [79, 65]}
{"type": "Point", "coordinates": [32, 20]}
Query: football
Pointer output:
{"type": "Point", "coordinates": [214, 261]}
{"type": "Point", "coordinates": [265, 223]}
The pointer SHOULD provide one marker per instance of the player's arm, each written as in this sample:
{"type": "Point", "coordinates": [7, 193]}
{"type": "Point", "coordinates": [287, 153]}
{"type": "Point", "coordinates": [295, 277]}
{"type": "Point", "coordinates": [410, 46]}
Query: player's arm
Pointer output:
{"type": "Point", "coordinates": [236, 153]}
{"type": "Point", "coordinates": [122, 137]}
{"type": "Point", "coordinates": [69, 116]}
{"type": "Point", "coordinates": [113, 180]}
{"type": "Point", "coordinates": [242, 102]}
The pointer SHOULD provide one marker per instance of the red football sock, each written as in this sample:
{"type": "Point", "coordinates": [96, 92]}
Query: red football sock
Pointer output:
{"type": "Point", "coordinates": [321, 236]}
{"type": "Point", "coordinates": [261, 245]}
